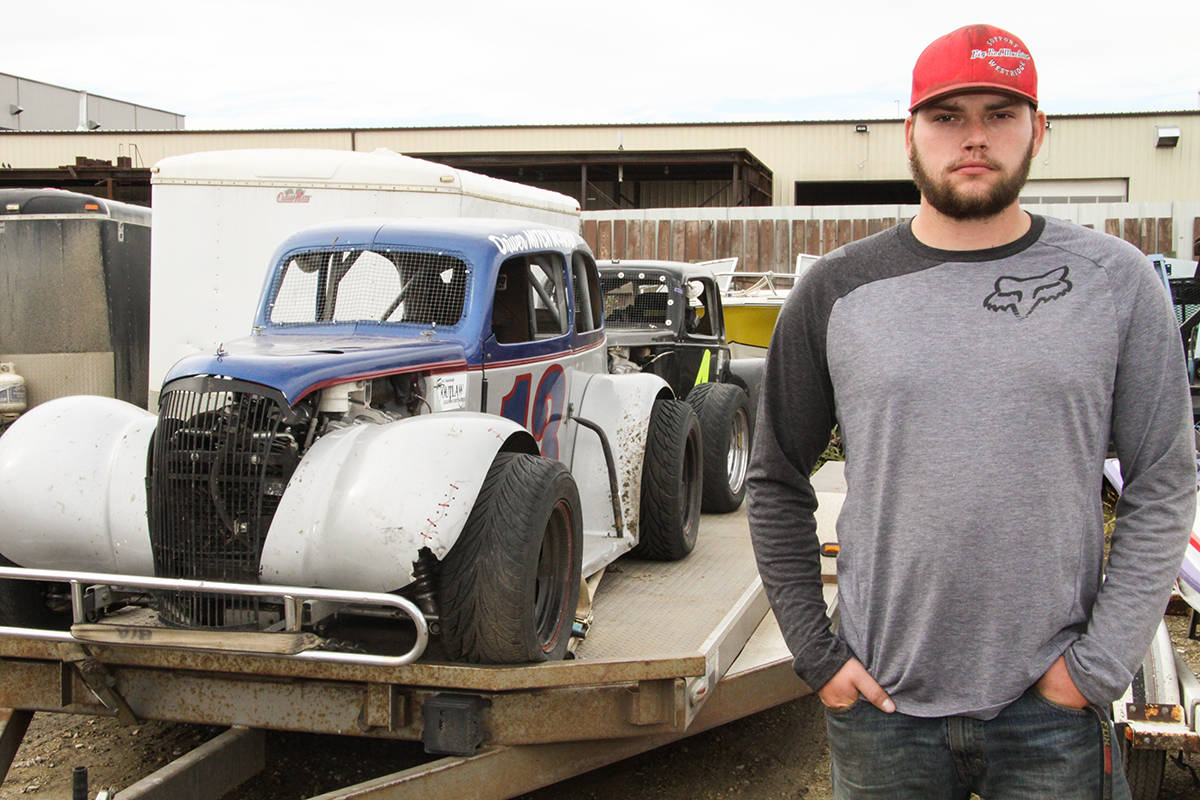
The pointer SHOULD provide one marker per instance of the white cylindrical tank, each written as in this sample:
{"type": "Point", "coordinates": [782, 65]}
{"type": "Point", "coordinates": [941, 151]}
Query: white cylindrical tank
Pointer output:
{"type": "Point", "coordinates": [12, 391]}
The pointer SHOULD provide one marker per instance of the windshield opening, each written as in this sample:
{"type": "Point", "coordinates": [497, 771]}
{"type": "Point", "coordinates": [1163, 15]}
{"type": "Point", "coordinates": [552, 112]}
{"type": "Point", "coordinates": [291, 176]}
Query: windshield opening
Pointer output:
{"type": "Point", "coordinates": [331, 286]}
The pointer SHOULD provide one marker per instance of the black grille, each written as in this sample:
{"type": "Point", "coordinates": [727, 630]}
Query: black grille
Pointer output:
{"type": "Point", "coordinates": [222, 456]}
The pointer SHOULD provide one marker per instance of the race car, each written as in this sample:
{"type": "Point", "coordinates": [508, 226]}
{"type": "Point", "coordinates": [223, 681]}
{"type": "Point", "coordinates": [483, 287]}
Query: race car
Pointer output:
{"type": "Point", "coordinates": [423, 408]}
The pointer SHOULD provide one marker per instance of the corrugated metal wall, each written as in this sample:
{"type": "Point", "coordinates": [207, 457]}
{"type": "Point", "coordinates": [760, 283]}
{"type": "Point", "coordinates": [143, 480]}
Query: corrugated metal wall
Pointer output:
{"type": "Point", "coordinates": [1076, 147]}
{"type": "Point", "coordinates": [770, 238]}
{"type": "Point", "coordinates": [46, 107]}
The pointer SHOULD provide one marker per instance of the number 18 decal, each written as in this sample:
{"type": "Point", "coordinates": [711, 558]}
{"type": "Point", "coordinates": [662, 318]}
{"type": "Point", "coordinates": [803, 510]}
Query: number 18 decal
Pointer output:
{"type": "Point", "coordinates": [547, 407]}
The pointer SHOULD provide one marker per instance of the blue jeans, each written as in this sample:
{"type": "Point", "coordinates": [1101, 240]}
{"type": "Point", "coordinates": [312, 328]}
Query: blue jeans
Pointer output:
{"type": "Point", "coordinates": [1033, 749]}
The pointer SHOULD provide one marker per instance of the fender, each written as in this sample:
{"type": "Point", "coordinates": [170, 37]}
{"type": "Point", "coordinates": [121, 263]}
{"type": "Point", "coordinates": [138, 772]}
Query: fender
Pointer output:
{"type": "Point", "coordinates": [621, 406]}
{"type": "Point", "coordinates": [748, 372]}
{"type": "Point", "coordinates": [366, 499]}
{"type": "Point", "coordinates": [73, 486]}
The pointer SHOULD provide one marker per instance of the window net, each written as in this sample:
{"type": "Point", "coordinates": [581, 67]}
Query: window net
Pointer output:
{"type": "Point", "coordinates": [637, 302]}
{"type": "Point", "coordinates": [382, 286]}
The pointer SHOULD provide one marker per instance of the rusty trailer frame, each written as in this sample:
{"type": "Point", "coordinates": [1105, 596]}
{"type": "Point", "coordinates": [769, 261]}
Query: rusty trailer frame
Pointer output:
{"type": "Point", "coordinates": [677, 648]}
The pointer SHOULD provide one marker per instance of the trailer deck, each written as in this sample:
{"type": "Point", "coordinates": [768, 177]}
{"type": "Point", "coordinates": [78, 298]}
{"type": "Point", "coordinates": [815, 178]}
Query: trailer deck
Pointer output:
{"type": "Point", "coordinates": [675, 648]}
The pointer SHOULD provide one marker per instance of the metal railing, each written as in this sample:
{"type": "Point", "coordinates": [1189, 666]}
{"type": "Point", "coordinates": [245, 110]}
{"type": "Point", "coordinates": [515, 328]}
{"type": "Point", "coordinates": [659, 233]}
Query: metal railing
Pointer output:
{"type": "Point", "coordinates": [293, 598]}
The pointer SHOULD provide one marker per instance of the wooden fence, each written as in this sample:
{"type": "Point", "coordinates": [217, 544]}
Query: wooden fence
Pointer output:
{"type": "Point", "coordinates": [763, 243]}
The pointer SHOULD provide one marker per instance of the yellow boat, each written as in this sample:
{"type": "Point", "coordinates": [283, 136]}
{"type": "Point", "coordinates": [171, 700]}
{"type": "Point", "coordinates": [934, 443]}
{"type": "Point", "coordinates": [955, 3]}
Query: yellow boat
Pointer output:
{"type": "Point", "coordinates": [749, 322]}
{"type": "Point", "coordinates": [750, 313]}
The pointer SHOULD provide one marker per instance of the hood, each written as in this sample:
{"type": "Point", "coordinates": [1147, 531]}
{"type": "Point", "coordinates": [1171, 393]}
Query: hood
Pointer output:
{"type": "Point", "coordinates": [297, 365]}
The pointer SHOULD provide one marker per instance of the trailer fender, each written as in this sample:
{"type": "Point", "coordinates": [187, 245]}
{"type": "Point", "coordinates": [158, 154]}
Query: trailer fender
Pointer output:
{"type": "Point", "coordinates": [73, 486]}
{"type": "Point", "coordinates": [747, 373]}
{"type": "Point", "coordinates": [620, 405]}
{"type": "Point", "coordinates": [366, 499]}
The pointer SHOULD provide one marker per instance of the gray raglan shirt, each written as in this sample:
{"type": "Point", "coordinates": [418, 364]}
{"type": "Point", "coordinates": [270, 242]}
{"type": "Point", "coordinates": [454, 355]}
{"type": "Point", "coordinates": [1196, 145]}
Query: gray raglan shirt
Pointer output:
{"type": "Point", "coordinates": [976, 393]}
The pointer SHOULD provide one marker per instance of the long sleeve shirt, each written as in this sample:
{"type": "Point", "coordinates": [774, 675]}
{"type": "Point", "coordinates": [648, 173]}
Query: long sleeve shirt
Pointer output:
{"type": "Point", "coordinates": [976, 394]}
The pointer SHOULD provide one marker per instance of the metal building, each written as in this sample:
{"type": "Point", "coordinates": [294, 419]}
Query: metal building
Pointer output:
{"type": "Point", "coordinates": [29, 105]}
{"type": "Point", "coordinates": [1087, 158]}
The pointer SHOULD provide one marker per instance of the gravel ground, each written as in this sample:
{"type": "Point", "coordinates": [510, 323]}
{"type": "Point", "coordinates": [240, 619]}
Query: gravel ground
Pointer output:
{"type": "Point", "coordinates": [779, 753]}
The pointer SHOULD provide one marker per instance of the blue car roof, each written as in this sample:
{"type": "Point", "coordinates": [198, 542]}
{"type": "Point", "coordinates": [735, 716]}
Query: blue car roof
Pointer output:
{"type": "Point", "coordinates": [299, 358]}
{"type": "Point", "coordinates": [482, 240]}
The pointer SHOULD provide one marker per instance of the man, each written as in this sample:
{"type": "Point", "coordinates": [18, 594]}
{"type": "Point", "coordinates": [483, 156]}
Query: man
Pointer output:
{"type": "Point", "coordinates": [977, 361]}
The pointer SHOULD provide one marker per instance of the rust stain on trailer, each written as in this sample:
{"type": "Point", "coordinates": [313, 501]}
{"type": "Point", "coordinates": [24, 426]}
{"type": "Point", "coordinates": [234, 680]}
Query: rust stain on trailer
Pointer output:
{"type": "Point", "coordinates": [1154, 712]}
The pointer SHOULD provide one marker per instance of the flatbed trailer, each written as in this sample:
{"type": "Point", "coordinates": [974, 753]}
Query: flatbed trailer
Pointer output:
{"type": "Point", "coordinates": [676, 648]}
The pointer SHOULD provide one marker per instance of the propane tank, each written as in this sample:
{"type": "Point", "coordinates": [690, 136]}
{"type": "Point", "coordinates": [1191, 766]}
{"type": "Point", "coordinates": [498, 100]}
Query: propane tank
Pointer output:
{"type": "Point", "coordinates": [12, 393]}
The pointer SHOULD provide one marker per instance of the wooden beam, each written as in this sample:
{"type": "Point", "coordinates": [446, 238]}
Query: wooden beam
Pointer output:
{"type": "Point", "coordinates": [708, 232]}
{"type": "Point", "coordinates": [797, 239]}
{"type": "Point", "coordinates": [812, 237]}
{"type": "Point", "coordinates": [750, 243]}
{"type": "Point", "coordinates": [783, 260]}
{"type": "Point", "coordinates": [843, 232]}
{"type": "Point", "coordinates": [1132, 233]}
{"type": "Point", "coordinates": [604, 240]}
{"type": "Point", "coordinates": [828, 235]}
{"type": "Point", "coordinates": [766, 245]}
{"type": "Point", "coordinates": [634, 234]}
{"type": "Point", "coordinates": [858, 230]}
{"type": "Point", "coordinates": [1166, 235]}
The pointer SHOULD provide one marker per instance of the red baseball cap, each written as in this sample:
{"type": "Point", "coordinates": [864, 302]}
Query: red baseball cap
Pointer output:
{"type": "Point", "coordinates": [974, 57]}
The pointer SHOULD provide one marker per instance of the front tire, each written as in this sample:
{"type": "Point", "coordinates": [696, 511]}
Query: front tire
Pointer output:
{"type": "Point", "coordinates": [724, 412]}
{"type": "Point", "coordinates": [672, 478]}
{"type": "Point", "coordinates": [509, 586]}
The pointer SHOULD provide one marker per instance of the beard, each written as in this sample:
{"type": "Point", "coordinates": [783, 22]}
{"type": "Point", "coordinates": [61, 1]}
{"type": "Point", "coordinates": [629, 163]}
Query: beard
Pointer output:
{"type": "Point", "coordinates": [950, 201]}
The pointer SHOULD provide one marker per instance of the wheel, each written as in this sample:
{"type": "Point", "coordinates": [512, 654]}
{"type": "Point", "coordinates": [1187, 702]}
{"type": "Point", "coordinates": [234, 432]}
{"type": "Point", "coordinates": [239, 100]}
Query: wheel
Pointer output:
{"type": "Point", "coordinates": [672, 478]}
{"type": "Point", "coordinates": [1143, 770]}
{"type": "Point", "coordinates": [509, 586]}
{"type": "Point", "coordinates": [724, 412]}
{"type": "Point", "coordinates": [23, 604]}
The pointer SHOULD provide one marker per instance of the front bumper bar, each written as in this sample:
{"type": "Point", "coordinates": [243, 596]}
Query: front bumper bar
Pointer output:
{"type": "Point", "coordinates": [292, 597]}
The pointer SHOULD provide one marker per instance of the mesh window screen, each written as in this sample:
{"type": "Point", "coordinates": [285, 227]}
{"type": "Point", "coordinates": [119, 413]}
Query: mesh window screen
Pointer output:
{"type": "Point", "coordinates": [637, 302]}
{"type": "Point", "coordinates": [337, 286]}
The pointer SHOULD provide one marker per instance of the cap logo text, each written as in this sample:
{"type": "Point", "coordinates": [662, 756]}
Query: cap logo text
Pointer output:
{"type": "Point", "coordinates": [1003, 55]}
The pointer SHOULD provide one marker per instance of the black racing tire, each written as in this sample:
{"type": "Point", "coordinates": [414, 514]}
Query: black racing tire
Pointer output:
{"type": "Point", "coordinates": [724, 412]}
{"type": "Point", "coordinates": [1143, 770]}
{"type": "Point", "coordinates": [672, 483]}
{"type": "Point", "coordinates": [23, 604]}
{"type": "Point", "coordinates": [509, 586]}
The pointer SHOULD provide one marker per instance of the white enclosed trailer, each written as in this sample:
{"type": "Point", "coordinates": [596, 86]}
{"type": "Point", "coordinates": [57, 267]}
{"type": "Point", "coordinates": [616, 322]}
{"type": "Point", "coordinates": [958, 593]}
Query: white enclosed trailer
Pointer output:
{"type": "Point", "coordinates": [219, 215]}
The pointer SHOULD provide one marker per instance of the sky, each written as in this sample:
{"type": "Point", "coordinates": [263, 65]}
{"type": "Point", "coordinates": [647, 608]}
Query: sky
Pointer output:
{"type": "Point", "coordinates": [307, 64]}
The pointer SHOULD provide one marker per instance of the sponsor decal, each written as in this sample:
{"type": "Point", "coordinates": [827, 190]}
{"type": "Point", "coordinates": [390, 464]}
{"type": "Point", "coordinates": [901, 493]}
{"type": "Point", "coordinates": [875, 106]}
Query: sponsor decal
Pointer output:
{"type": "Point", "coordinates": [1022, 295]}
{"type": "Point", "coordinates": [534, 239]}
{"type": "Point", "coordinates": [293, 196]}
{"type": "Point", "coordinates": [451, 391]}
{"type": "Point", "coordinates": [1003, 55]}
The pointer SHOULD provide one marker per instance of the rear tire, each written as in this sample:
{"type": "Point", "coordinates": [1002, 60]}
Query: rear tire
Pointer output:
{"type": "Point", "coordinates": [509, 586]}
{"type": "Point", "coordinates": [724, 412]}
{"type": "Point", "coordinates": [672, 483]}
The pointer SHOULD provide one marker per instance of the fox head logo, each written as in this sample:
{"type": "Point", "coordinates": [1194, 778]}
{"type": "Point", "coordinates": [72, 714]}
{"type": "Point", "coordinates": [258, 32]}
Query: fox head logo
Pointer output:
{"type": "Point", "coordinates": [1022, 295]}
